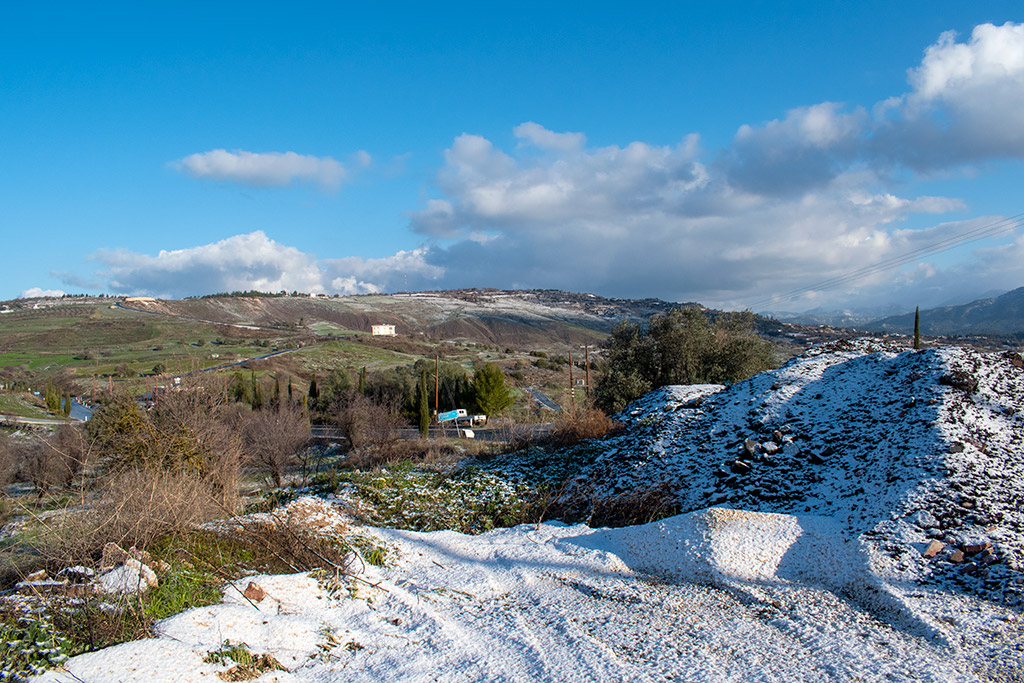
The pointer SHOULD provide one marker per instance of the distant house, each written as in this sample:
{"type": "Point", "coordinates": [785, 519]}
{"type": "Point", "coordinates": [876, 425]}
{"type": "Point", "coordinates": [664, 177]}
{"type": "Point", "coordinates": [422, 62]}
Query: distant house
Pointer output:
{"type": "Point", "coordinates": [382, 330]}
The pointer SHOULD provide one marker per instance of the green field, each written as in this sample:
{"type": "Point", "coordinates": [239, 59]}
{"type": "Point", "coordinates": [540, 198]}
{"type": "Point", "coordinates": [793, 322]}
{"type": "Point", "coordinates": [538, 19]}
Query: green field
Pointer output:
{"type": "Point", "coordinates": [20, 405]}
{"type": "Point", "coordinates": [97, 347]}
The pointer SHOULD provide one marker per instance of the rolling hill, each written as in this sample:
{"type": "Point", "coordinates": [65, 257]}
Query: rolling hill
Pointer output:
{"type": "Point", "coordinates": [1002, 315]}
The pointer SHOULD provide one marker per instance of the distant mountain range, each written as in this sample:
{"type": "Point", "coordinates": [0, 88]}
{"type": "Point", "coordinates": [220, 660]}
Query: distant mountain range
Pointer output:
{"type": "Point", "coordinates": [1001, 315]}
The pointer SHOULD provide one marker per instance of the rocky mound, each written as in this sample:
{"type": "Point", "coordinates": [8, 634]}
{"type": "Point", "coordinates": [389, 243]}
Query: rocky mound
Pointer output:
{"type": "Point", "coordinates": [918, 455]}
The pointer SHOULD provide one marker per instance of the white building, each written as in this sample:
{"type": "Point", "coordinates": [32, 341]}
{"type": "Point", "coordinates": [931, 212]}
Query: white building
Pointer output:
{"type": "Point", "coordinates": [382, 330]}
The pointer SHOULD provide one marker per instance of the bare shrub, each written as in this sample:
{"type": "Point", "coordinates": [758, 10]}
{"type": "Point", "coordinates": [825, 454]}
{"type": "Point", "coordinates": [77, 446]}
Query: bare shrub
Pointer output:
{"type": "Point", "coordinates": [578, 425]}
{"type": "Point", "coordinates": [190, 431]}
{"type": "Point", "coordinates": [580, 503]}
{"type": "Point", "coordinates": [274, 439]}
{"type": "Point", "coordinates": [136, 507]}
{"type": "Point", "coordinates": [366, 423]}
{"type": "Point", "coordinates": [57, 460]}
{"type": "Point", "coordinates": [8, 462]}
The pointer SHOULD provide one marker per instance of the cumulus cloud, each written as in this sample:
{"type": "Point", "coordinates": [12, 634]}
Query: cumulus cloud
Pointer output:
{"type": "Point", "coordinates": [806, 150]}
{"type": "Point", "coordinates": [404, 271]}
{"type": "Point", "coordinates": [251, 261]}
{"type": "Point", "coordinates": [491, 188]}
{"type": "Point", "coordinates": [965, 104]}
{"type": "Point", "coordinates": [254, 261]}
{"type": "Point", "coordinates": [789, 202]}
{"type": "Point", "coordinates": [542, 138]}
{"type": "Point", "coordinates": [38, 293]}
{"type": "Point", "coordinates": [641, 220]}
{"type": "Point", "coordinates": [267, 169]}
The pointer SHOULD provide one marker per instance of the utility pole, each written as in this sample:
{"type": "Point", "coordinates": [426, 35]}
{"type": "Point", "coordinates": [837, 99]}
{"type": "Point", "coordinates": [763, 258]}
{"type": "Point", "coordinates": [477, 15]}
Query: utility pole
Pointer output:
{"type": "Point", "coordinates": [437, 382]}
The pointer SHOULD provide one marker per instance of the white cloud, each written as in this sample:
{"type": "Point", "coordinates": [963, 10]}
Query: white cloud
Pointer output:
{"type": "Point", "coordinates": [642, 220]}
{"type": "Point", "coordinates": [965, 104]}
{"type": "Point", "coordinates": [493, 188]}
{"type": "Point", "coordinates": [38, 293]}
{"type": "Point", "coordinates": [542, 138]}
{"type": "Point", "coordinates": [254, 261]}
{"type": "Point", "coordinates": [790, 202]}
{"type": "Point", "coordinates": [267, 169]}
{"type": "Point", "coordinates": [251, 261]}
{"type": "Point", "coordinates": [404, 271]}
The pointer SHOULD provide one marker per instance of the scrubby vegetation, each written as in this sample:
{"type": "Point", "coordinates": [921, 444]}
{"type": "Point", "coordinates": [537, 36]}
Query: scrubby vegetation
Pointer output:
{"type": "Point", "coordinates": [684, 346]}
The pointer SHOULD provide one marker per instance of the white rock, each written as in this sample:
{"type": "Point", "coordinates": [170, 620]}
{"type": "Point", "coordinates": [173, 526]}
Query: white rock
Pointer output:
{"type": "Point", "coordinates": [924, 519]}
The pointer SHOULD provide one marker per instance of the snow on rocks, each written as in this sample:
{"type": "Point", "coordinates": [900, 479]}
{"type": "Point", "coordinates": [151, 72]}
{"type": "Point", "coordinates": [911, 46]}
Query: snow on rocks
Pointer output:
{"type": "Point", "coordinates": [130, 577]}
{"type": "Point", "coordinates": [896, 447]}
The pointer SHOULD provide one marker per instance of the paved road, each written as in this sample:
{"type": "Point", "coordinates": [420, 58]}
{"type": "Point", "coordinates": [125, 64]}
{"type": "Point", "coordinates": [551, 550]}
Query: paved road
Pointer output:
{"type": "Point", "coordinates": [543, 400]}
{"type": "Point", "coordinates": [225, 366]}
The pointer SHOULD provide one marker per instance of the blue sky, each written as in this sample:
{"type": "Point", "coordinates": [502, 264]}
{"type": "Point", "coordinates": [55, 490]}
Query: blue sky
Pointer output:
{"type": "Point", "coordinates": [716, 152]}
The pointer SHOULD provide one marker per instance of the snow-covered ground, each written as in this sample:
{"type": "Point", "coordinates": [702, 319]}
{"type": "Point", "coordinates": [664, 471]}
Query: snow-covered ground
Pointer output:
{"type": "Point", "coordinates": [811, 499]}
{"type": "Point", "coordinates": [717, 595]}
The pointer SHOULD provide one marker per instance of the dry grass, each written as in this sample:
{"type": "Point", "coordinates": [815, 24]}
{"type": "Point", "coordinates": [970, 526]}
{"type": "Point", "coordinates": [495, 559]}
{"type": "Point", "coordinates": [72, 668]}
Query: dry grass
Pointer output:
{"type": "Point", "coordinates": [135, 508]}
{"type": "Point", "coordinates": [574, 426]}
{"type": "Point", "coordinates": [655, 502]}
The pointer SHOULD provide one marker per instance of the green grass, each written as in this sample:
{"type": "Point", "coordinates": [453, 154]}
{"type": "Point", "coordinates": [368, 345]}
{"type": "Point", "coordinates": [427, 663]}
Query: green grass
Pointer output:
{"type": "Point", "coordinates": [20, 405]}
{"type": "Point", "coordinates": [326, 328]}
{"type": "Point", "coordinates": [94, 340]}
{"type": "Point", "coordinates": [344, 352]}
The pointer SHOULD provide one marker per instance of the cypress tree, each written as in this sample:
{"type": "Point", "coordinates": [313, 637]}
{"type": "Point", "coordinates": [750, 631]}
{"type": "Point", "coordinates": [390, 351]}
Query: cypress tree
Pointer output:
{"type": "Point", "coordinates": [424, 407]}
{"type": "Point", "coordinates": [67, 404]}
{"type": "Point", "coordinates": [917, 327]}
{"type": "Point", "coordinates": [257, 393]}
{"type": "Point", "coordinates": [362, 380]}
{"type": "Point", "coordinates": [313, 394]}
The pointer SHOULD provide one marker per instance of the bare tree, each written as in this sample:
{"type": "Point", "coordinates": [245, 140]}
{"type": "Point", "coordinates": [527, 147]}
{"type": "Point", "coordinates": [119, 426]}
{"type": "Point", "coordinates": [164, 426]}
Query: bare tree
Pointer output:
{"type": "Point", "coordinates": [366, 423]}
{"type": "Point", "coordinates": [275, 439]}
{"type": "Point", "coordinates": [8, 462]}
{"type": "Point", "coordinates": [57, 460]}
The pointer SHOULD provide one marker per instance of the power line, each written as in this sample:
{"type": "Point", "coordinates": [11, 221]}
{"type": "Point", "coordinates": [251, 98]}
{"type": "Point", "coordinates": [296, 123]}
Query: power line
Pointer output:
{"type": "Point", "coordinates": [975, 234]}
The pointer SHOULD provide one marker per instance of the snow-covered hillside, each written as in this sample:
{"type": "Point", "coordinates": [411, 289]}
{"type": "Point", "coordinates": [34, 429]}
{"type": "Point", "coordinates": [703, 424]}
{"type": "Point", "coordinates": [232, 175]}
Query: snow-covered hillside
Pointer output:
{"type": "Point", "coordinates": [898, 448]}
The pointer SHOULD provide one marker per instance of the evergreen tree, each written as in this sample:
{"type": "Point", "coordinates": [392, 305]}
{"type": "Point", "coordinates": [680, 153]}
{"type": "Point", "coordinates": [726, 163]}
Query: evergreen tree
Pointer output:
{"type": "Point", "coordinates": [257, 393]}
{"type": "Point", "coordinates": [424, 407]}
{"type": "Point", "coordinates": [362, 380]}
{"type": "Point", "coordinates": [489, 390]}
{"type": "Point", "coordinates": [917, 327]}
{"type": "Point", "coordinates": [313, 394]}
{"type": "Point", "coordinates": [684, 346]}
{"type": "Point", "coordinates": [67, 404]}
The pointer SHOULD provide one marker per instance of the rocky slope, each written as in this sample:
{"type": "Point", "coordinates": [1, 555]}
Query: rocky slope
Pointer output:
{"type": "Point", "coordinates": [897, 448]}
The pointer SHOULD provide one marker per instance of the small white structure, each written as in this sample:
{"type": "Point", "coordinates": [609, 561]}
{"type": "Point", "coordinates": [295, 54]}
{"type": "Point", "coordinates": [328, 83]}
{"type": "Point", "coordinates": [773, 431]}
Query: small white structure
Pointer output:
{"type": "Point", "coordinates": [382, 330]}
